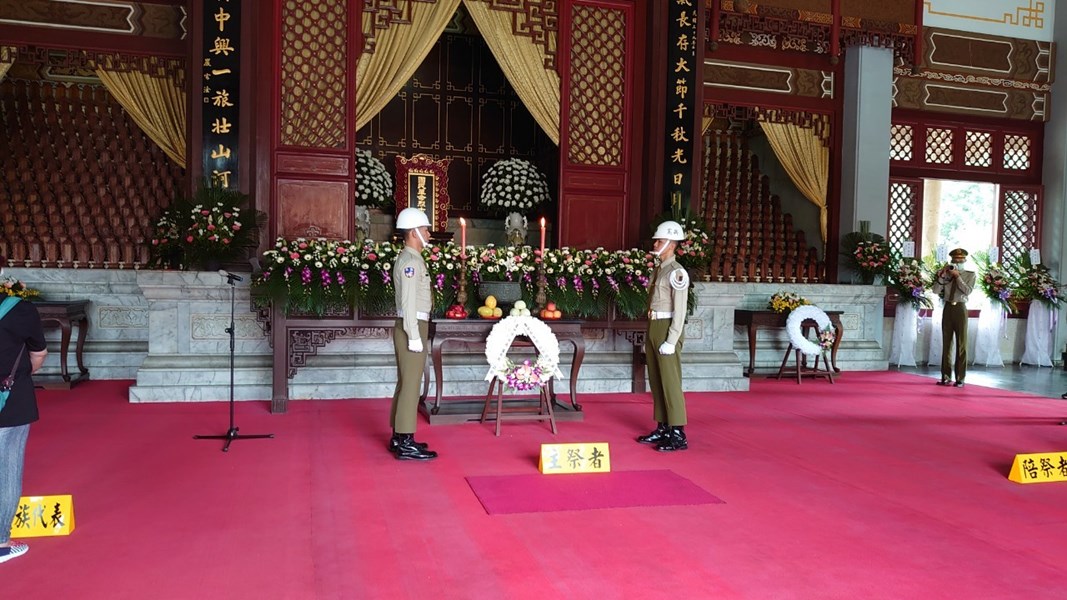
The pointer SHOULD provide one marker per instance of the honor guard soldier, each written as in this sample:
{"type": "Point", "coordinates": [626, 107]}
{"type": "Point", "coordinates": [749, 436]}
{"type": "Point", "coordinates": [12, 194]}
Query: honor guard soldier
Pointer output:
{"type": "Point", "coordinates": [953, 284]}
{"type": "Point", "coordinates": [411, 281]}
{"type": "Point", "coordinates": [668, 301]}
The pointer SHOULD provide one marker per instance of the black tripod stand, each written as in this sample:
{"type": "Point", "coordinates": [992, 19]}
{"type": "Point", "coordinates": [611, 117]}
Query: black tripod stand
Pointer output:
{"type": "Point", "coordinates": [231, 433]}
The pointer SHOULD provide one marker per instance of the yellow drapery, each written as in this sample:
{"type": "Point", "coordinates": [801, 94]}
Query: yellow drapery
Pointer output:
{"type": "Point", "coordinates": [523, 63]}
{"type": "Point", "coordinates": [155, 103]}
{"type": "Point", "coordinates": [399, 51]}
{"type": "Point", "coordinates": [7, 58]}
{"type": "Point", "coordinates": [805, 158]}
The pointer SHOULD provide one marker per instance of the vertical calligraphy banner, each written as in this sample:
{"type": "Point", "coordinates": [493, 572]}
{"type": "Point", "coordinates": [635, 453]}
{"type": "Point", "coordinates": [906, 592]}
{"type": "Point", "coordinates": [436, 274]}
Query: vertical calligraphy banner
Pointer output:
{"type": "Point", "coordinates": [683, 68]}
{"type": "Point", "coordinates": [221, 84]}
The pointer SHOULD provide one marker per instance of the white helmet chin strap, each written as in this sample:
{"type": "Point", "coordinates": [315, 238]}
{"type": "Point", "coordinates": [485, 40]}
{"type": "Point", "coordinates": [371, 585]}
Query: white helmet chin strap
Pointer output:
{"type": "Point", "coordinates": [422, 240]}
{"type": "Point", "coordinates": [659, 253]}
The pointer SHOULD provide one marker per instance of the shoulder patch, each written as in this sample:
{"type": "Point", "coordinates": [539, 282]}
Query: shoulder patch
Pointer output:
{"type": "Point", "coordinates": [679, 279]}
{"type": "Point", "coordinates": [409, 271]}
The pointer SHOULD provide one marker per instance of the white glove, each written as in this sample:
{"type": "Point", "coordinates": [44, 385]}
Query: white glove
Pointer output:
{"type": "Point", "coordinates": [415, 345]}
{"type": "Point", "coordinates": [666, 349]}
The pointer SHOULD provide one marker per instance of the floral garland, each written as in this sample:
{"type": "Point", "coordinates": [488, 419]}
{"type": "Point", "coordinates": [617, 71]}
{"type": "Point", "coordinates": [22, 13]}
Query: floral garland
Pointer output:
{"type": "Point", "coordinates": [513, 185]}
{"type": "Point", "coordinates": [796, 335]}
{"type": "Point", "coordinates": [374, 186]}
{"type": "Point", "coordinates": [499, 342]}
{"type": "Point", "coordinates": [784, 302]}
{"type": "Point", "coordinates": [10, 286]}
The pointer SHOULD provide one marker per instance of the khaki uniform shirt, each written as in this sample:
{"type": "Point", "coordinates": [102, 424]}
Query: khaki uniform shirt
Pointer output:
{"type": "Point", "coordinates": [964, 285]}
{"type": "Point", "coordinates": [411, 280]}
{"type": "Point", "coordinates": [670, 293]}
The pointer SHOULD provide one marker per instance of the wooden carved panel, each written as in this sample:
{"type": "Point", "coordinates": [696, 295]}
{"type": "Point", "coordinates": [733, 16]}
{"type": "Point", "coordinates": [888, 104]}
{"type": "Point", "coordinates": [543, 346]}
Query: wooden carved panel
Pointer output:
{"type": "Point", "coordinates": [313, 208]}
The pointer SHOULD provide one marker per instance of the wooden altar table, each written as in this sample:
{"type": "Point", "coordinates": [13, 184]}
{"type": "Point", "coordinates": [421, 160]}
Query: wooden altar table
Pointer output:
{"type": "Point", "coordinates": [754, 319]}
{"type": "Point", "coordinates": [471, 334]}
{"type": "Point", "coordinates": [65, 314]}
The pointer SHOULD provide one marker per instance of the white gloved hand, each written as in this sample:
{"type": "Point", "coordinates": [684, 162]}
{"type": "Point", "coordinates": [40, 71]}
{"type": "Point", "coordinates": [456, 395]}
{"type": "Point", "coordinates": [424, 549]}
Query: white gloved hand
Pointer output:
{"type": "Point", "coordinates": [415, 345]}
{"type": "Point", "coordinates": [666, 349]}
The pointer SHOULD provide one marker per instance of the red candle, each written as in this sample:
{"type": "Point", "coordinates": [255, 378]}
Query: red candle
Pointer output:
{"type": "Point", "coordinates": [542, 237]}
{"type": "Point", "coordinates": [463, 238]}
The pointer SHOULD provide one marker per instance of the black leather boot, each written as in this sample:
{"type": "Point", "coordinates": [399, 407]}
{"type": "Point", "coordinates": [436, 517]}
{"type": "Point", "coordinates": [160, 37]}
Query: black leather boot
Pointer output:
{"type": "Point", "coordinates": [675, 440]}
{"type": "Point", "coordinates": [408, 449]}
{"type": "Point", "coordinates": [658, 434]}
{"type": "Point", "coordinates": [394, 442]}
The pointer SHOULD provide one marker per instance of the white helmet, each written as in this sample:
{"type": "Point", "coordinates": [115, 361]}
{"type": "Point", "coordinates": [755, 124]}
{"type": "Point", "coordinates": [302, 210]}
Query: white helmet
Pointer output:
{"type": "Point", "coordinates": [669, 230]}
{"type": "Point", "coordinates": [411, 218]}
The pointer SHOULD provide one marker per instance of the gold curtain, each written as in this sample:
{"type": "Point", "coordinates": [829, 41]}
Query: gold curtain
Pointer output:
{"type": "Point", "coordinates": [523, 63]}
{"type": "Point", "coordinates": [155, 103]}
{"type": "Point", "coordinates": [7, 58]}
{"type": "Point", "coordinates": [805, 158]}
{"type": "Point", "coordinates": [399, 51]}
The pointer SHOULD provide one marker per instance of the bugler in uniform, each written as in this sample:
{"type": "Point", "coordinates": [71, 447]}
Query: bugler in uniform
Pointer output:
{"type": "Point", "coordinates": [668, 299]}
{"type": "Point", "coordinates": [953, 284]}
{"type": "Point", "coordinates": [414, 302]}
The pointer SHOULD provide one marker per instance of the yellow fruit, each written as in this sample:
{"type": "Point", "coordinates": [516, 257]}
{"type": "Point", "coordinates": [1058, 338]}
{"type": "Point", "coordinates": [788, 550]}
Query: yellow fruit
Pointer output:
{"type": "Point", "coordinates": [497, 312]}
{"type": "Point", "coordinates": [490, 301]}
{"type": "Point", "coordinates": [485, 312]}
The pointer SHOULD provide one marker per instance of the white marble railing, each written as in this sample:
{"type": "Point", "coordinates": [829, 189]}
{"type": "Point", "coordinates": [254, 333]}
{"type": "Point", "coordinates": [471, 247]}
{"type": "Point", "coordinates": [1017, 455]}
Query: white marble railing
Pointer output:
{"type": "Point", "coordinates": [167, 330]}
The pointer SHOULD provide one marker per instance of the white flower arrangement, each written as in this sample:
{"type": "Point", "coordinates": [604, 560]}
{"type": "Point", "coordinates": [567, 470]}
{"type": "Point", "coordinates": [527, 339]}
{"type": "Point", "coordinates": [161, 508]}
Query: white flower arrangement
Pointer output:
{"type": "Point", "coordinates": [374, 186]}
{"type": "Point", "coordinates": [793, 327]}
{"type": "Point", "coordinates": [513, 185]}
{"type": "Point", "coordinates": [522, 376]}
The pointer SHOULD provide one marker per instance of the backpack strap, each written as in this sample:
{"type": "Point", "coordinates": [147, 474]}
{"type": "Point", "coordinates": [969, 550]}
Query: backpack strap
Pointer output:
{"type": "Point", "coordinates": [8, 304]}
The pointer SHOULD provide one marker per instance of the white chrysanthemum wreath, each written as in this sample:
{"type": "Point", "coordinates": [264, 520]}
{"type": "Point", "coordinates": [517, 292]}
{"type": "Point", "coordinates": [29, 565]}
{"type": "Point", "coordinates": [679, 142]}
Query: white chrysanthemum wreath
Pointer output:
{"type": "Point", "coordinates": [513, 185]}
{"type": "Point", "coordinates": [796, 336]}
{"type": "Point", "coordinates": [374, 185]}
{"type": "Point", "coordinates": [499, 342]}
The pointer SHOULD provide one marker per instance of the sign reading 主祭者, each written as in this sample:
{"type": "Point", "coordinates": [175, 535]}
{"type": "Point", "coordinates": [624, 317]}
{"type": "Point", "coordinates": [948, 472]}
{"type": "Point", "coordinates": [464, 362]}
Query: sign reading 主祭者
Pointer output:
{"type": "Point", "coordinates": [221, 82]}
{"type": "Point", "coordinates": [40, 516]}
{"type": "Point", "coordinates": [559, 459]}
{"type": "Point", "coordinates": [683, 67]}
{"type": "Point", "coordinates": [1039, 468]}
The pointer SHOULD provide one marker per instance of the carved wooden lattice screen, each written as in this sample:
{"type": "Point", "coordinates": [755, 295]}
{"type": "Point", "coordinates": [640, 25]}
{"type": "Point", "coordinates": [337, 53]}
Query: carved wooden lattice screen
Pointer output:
{"type": "Point", "coordinates": [905, 212]}
{"type": "Point", "coordinates": [1020, 213]}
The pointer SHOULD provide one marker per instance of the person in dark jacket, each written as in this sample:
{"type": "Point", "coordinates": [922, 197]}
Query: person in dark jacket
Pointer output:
{"type": "Point", "coordinates": [22, 351]}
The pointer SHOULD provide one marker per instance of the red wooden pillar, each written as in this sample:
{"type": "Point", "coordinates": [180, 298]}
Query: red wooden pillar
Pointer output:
{"type": "Point", "coordinates": [306, 131]}
{"type": "Point", "coordinates": [598, 47]}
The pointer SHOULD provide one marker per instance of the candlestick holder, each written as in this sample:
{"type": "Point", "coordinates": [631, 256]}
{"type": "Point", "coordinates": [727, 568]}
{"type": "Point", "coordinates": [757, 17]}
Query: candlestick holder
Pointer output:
{"type": "Point", "coordinates": [540, 299]}
{"type": "Point", "coordinates": [461, 294]}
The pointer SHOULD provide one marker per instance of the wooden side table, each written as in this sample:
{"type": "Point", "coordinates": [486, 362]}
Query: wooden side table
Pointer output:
{"type": "Point", "coordinates": [754, 319]}
{"type": "Point", "coordinates": [65, 314]}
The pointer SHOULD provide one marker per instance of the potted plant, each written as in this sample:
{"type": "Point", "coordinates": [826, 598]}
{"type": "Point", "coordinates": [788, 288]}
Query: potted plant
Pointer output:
{"type": "Point", "coordinates": [867, 254]}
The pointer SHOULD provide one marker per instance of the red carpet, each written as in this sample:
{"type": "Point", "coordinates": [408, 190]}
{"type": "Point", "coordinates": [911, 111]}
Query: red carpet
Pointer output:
{"type": "Point", "coordinates": [504, 494]}
{"type": "Point", "coordinates": [882, 486]}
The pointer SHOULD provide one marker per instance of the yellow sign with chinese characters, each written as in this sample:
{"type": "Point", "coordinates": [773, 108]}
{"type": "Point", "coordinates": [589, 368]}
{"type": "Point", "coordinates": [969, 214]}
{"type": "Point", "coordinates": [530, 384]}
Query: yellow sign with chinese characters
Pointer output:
{"type": "Point", "coordinates": [40, 516]}
{"type": "Point", "coordinates": [563, 459]}
{"type": "Point", "coordinates": [1039, 468]}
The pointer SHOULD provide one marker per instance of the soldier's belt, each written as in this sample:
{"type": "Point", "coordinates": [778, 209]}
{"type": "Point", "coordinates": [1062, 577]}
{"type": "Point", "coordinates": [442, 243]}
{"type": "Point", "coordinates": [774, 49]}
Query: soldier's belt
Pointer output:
{"type": "Point", "coordinates": [653, 315]}
{"type": "Point", "coordinates": [422, 316]}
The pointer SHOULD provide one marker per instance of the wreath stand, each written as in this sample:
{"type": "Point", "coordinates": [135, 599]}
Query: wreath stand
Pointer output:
{"type": "Point", "coordinates": [802, 370]}
{"type": "Point", "coordinates": [543, 411]}
{"type": "Point", "coordinates": [520, 332]}
{"type": "Point", "coordinates": [801, 320]}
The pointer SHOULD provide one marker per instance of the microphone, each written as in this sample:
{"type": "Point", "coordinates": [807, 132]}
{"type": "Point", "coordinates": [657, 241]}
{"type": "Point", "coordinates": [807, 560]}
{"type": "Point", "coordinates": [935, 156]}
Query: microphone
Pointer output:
{"type": "Point", "coordinates": [230, 276]}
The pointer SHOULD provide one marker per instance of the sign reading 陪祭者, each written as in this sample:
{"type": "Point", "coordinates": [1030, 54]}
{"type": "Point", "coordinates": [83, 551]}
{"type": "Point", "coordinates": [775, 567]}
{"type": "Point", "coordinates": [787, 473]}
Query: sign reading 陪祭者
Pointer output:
{"type": "Point", "coordinates": [221, 82]}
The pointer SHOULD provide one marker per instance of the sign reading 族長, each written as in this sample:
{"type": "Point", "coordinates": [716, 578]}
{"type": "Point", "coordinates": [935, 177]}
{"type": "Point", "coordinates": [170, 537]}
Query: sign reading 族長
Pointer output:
{"type": "Point", "coordinates": [40, 516]}
{"type": "Point", "coordinates": [1039, 468]}
{"type": "Point", "coordinates": [559, 459]}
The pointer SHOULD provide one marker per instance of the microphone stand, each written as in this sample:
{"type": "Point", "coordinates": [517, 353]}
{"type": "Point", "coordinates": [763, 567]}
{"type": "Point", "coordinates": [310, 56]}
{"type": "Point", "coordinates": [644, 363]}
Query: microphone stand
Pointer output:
{"type": "Point", "coordinates": [231, 433]}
